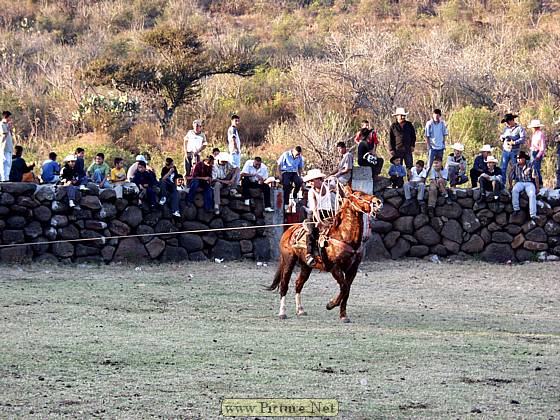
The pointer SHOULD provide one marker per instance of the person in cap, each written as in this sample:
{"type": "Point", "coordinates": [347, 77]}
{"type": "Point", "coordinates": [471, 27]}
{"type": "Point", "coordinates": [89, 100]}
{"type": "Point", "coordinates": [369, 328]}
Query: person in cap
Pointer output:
{"type": "Point", "coordinates": [202, 177]}
{"type": "Point", "coordinates": [491, 179]}
{"type": "Point", "coordinates": [525, 180]}
{"type": "Point", "coordinates": [402, 138]}
{"type": "Point", "coordinates": [435, 132]}
{"type": "Point", "coordinates": [168, 187]}
{"type": "Point", "coordinates": [538, 146]}
{"type": "Point", "coordinates": [319, 207]}
{"type": "Point", "coordinates": [557, 141]}
{"type": "Point", "coordinates": [343, 172]}
{"type": "Point", "coordinates": [512, 137]}
{"type": "Point", "coordinates": [6, 145]}
{"type": "Point", "coordinates": [255, 175]}
{"type": "Point", "coordinates": [132, 170]}
{"type": "Point", "coordinates": [223, 176]}
{"type": "Point", "coordinates": [290, 166]}
{"type": "Point", "coordinates": [479, 165]}
{"type": "Point", "coordinates": [70, 180]}
{"type": "Point", "coordinates": [194, 144]}
{"type": "Point", "coordinates": [456, 166]}
{"type": "Point", "coordinates": [397, 172]}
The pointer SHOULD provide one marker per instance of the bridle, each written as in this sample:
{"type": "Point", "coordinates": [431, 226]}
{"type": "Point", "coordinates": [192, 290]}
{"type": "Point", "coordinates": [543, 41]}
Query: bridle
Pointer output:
{"type": "Point", "coordinates": [362, 201]}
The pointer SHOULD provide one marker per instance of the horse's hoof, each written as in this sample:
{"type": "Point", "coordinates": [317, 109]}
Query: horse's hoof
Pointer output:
{"type": "Point", "coordinates": [301, 313]}
{"type": "Point", "coordinates": [345, 320]}
{"type": "Point", "coordinates": [284, 316]}
{"type": "Point", "coordinates": [330, 306]}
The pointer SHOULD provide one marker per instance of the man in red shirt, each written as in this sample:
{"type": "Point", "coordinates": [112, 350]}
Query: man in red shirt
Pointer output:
{"type": "Point", "coordinates": [202, 177]}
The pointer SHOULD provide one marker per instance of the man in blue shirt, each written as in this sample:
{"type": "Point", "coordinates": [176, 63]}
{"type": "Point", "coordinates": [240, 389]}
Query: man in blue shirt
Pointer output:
{"type": "Point", "coordinates": [512, 138]}
{"type": "Point", "coordinates": [435, 132]}
{"type": "Point", "coordinates": [290, 166]}
{"type": "Point", "coordinates": [50, 170]}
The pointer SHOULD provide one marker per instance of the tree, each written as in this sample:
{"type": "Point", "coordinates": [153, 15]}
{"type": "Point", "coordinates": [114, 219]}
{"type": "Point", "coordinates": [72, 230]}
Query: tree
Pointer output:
{"type": "Point", "coordinates": [169, 73]}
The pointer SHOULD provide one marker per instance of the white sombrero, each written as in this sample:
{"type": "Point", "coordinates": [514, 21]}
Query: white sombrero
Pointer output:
{"type": "Point", "coordinates": [486, 148]}
{"type": "Point", "coordinates": [535, 124]}
{"type": "Point", "coordinates": [140, 158]}
{"type": "Point", "coordinates": [458, 146]}
{"type": "Point", "coordinates": [400, 111]}
{"type": "Point", "coordinates": [70, 158]}
{"type": "Point", "coordinates": [313, 174]}
{"type": "Point", "coordinates": [491, 159]}
{"type": "Point", "coordinates": [223, 157]}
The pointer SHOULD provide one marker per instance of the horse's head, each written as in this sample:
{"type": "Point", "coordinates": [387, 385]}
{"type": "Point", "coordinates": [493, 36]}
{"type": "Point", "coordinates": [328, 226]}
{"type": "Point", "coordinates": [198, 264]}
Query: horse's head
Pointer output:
{"type": "Point", "coordinates": [362, 202]}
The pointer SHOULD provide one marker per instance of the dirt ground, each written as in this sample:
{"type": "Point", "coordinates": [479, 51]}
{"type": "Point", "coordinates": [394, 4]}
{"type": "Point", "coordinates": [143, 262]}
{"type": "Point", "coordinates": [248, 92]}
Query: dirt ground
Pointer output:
{"type": "Point", "coordinates": [450, 340]}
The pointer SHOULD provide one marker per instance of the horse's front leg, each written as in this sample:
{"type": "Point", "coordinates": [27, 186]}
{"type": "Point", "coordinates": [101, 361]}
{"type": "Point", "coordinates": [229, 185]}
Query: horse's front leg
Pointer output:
{"type": "Point", "coordinates": [338, 275]}
{"type": "Point", "coordinates": [302, 278]}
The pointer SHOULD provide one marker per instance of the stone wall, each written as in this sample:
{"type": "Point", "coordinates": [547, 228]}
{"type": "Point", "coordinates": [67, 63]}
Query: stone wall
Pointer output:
{"type": "Point", "coordinates": [31, 213]}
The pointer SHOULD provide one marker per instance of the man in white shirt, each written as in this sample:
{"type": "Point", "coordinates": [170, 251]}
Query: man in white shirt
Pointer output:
{"type": "Point", "coordinates": [254, 175]}
{"type": "Point", "coordinates": [6, 146]}
{"type": "Point", "coordinates": [344, 170]}
{"type": "Point", "coordinates": [417, 181]}
{"type": "Point", "coordinates": [234, 144]}
{"type": "Point", "coordinates": [193, 144]}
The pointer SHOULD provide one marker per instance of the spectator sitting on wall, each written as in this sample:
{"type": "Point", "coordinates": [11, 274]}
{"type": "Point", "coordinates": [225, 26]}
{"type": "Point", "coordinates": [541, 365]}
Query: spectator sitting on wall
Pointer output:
{"type": "Point", "coordinates": [145, 180]}
{"type": "Point", "coordinates": [417, 181]}
{"type": "Point", "coordinates": [479, 165]}
{"type": "Point", "coordinates": [491, 179]}
{"type": "Point", "coordinates": [70, 180]}
{"type": "Point", "coordinates": [402, 138]}
{"type": "Point", "coordinates": [81, 167]}
{"type": "Point", "coordinates": [50, 170]}
{"type": "Point", "coordinates": [180, 183]}
{"type": "Point", "coordinates": [343, 172]}
{"type": "Point", "coordinates": [20, 171]}
{"type": "Point", "coordinates": [202, 177]}
{"type": "Point", "coordinates": [168, 188]}
{"type": "Point", "coordinates": [215, 152]}
{"type": "Point", "coordinates": [99, 171]}
{"type": "Point", "coordinates": [525, 180]}
{"type": "Point", "coordinates": [438, 182]}
{"type": "Point", "coordinates": [397, 172]}
{"type": "Point", "coordinates": [290, 166]}
{"type": "Point", "coordinates": [457, 166]}
{"type": "Point", "coordinates": [224, 175]}
{"type": "Point", "coordinates": [118, 177]}
{"type": "Point", "coordinates": [255, 175]}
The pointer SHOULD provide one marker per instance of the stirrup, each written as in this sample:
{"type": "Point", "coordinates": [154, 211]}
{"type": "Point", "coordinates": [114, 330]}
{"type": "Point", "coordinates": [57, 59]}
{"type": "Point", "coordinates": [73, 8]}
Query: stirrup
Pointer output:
{"type": "Point", "coordinates": [310, 261]}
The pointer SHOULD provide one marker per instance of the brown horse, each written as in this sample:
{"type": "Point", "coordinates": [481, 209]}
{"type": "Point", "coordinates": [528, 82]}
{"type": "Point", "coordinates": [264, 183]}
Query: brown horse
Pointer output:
{"type": "Point", "coordinates": [341, 256]}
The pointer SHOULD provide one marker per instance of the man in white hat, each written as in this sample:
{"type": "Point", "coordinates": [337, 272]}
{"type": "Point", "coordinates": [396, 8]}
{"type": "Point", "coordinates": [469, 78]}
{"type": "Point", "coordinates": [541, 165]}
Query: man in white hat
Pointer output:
{"type": "Point", "coordinates": [255, 175]}
{"type": "Point", "coordinates": [319, 207]}
{"type": "Point", "coordinates": [435, 132]}
{"type": "Point", "coordinates": [479, 165]}
{"type": "Point", "coordinates": [70, 180]}
{"type": "Point", "coordinates": [538, 146]}
{"type": "Point", "coordinates": [132, 170]}
{"type": "Point", "coordinates": [513, 137]}
{"type": "Point", "coordinates": [402, 138]}
{"type": "Point", "coordinates": [491, 179]}
{"type": "Point", "coordinates": [457, 166]}
{"type": "Point", "coordinates": [223, 176]}
{"type": "Point", "coordinates": [194, 143]}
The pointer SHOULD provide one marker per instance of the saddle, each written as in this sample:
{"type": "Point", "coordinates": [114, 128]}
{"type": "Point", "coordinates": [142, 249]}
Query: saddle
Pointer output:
{"type": "Point", "coordinates": [299, 238]}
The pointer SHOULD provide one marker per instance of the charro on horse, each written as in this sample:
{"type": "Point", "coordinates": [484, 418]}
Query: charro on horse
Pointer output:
{"type": "Point", "coordinates": [341, 255]}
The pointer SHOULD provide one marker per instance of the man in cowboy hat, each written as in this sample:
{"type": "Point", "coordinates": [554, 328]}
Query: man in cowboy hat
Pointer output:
{"type": "Point", "coordinates": [538, 146]}
{"type": "Point", "coordinates": [457, 166]}
{"type": "Point", "coordinates": [479, 165]}
{"type": "Point", "coordinates": [255, 175]}
{"type": "Point", "coordinates": [402, 138]}
{"type": "Point", "coordinates": [435, 133]}
{"type": "Point", "coordinates": [491, 179]}
{"type": "Point", "coordinates": [319, 207]}
{"type": "Point", "coordinates": [525, 180]}
{"type": "Point", "coordinates": [512, 138]}
{"type": "Point", "coordinates": [194, 143]}
{"type": "Point", "coordinates": [223, 175]}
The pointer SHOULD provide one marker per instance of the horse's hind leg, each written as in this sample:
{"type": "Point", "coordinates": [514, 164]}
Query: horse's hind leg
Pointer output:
{"type": "Point", "coordinates": [290, 262]}
{"type": "Point", "coordinates": [300, 281]}
{"type": "Point", "coordinates": [349, 278]}
{"type": "Point", "coordinates": [338, 275]}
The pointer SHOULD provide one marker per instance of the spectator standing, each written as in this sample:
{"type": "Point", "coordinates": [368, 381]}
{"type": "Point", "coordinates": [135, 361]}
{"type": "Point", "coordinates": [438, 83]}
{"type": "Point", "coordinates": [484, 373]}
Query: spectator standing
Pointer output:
{"type": "Point", "coordinates": [194, 144]}
{"type": "Point", "coordinates": [99, 171]}
{"type": "Point", "coordinates": [255, 175]}
{"type": "Point", "coordinates": [491, 179]}
{"type": "Point", "coordinates": [417, 181]}
{"type": "Point", "coordinates": [20, 171]}
{"type": "Point", "coordinates": [343, 172]}
{"type": "Point", "coordinates": [367, 154]}
{"type": "Point", "coordinates": [371, 137]}
{"type": "Point", "coordinates": [435, 132]}
{"type": "Point", "coordinates": [6, 145]}
{"type": "Point", "coordinates": [402, 138]}
{"type": "Point", "coordinates": [168, 187]}
{"type": "Point", "coordinates": [525, 180]}
{"type": "Point", "coordinates": [457, 166]}
{"type": "Point", "coordinates": [145, 180]}
{"type": "Point", "coordinates": [538, 147]}
{"type": "Point", "coordinates": [438, 182]}
{"type": "Point", "coordinates": [70, 180]}
{"type": "Point", "coordinates": [290, 166]}
{"type": "Point", "coordinates": [202, 177]}
{"type": "Point", "coordinates": [223, 176]}
{"type": "Point", "coordinates": [397, 172]}
{"type": "Point", "coordinates": [50, 170]}
{"type": "Point", "coordinates": [512, 137]}
{"type": "Point", "coordinates": [234, 146]}
{"type": "Point", "coordinates": [479, 165]}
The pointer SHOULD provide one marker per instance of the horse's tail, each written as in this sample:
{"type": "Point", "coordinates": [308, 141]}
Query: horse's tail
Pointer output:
{"type": "Point", "coordinates": [277, 276]}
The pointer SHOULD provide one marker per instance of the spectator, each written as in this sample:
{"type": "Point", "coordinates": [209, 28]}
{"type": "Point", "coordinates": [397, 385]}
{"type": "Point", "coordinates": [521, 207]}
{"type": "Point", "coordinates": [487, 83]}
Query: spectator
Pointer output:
{"type": "Point", "coordinates": [223, 175]}
{"type": "Point", "coordinates": [202, 177]}
{"type": "Point", "coordinates": [215, 152]}
{"type": "Point", "coordinates": [234, 146]}
{"type": "Point", "coordinates": [180, 183]}
{"type": "Point", "coordinates": [118, 177]}
{"type": "Point", "coordinates": [145, 180]}
{"type": "Point", "coordinates": [512, 137]}
{"type": "Point", "coordinates": [438, 182]}
{"type": "Point", "coordinates": [491, 179]}
{"type": "Point", "coordinates": [367, 154]}
{"type": "Point", "coordinates": [402, 138]}
{"type": "Point", "coordinates": [70, 180]}
{"type": "Point", "coordinates": [557, 141]}
{"type": "Point", "coordinates": [435, 133]}
{"type": "Point", "coordinates": [371, 137]}
{"type": "Point", "coordinates": [50, 170]}
{"type": "Point", "coordinates": [397, 172]}
{"type": "Point", "coordinates": [255, 175]}
{"type": "Point", "coordinates": [20, 171]}
{"type": "Point", "coordinates": [6, 146]}
{"type": "Point", "coordinates": [479, 165]}
{"type": "Point", "coordinates": [525, 180]}
{"type": "Point", "coordinates": [290, 165]}
{"type": "Point", "coordinates": [194, 144]}
{"type": "Point", "coordinates": [132, 170]}
{"type": "Point", "coordinates": [538, 147]}
{"type": "Point", "coordinates": [344, 171]}
{"type": "Point", "coordinates": [168, 187]}
{"type": "Point", "coordinates": [417, 181]}
{"type": "Point", "coordinates": [99, 171]}
{"type": "Point", "coordinates": [457, 166]}
{"type": "Point", "coordinates": [81, 167]}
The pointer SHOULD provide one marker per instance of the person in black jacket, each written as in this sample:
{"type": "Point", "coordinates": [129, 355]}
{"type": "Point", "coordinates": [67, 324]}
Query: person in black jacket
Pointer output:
{"type": "Point", "coordinates": [367, 153]}
{"type": "Point", "coordinates": [479, 165]}
{"type": "Point", "coordinates": [145, 180]}
{"type": "Point", "coordinates": [402, 138]}
{"type": "Point", "coordinates": [70, 179]}
{"type": "Point", "coordinates": [19, 167]}
{"type": "Point", "coordinates": [168, 189]}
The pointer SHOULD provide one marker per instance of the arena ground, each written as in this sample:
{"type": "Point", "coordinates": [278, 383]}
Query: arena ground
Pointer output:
{"type": "Point", "coordinates": [450, 340]}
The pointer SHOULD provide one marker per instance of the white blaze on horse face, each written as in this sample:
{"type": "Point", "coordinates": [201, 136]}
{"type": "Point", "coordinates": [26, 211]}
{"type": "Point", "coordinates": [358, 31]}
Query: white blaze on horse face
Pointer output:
{"type": "Point", "coordinates": [282, 306]}
{"type": "Point", "coordinates": [299, 307]}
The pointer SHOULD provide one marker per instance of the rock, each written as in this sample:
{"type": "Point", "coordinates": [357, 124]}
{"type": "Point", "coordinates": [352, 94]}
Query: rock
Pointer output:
{"type": "Point", "coordinates": [90, 202]}
{"type": "Point", "coordinates": [39, 246]}
{"type": "Point", "coordinates": [171, 241]}
{"type": "Point", "coordinates": [59, 207]}
{"type": "Point", "coordinates": [250, 217]}
{"type": "Point", "coordinates": [552, 228]}
{"type": "Point", "coordinates": [452, 247]}
{"type": "Point", "coordinates": [474, 245]}
{"type": "Point", "coordinates": [108, 211]}
{"type": "Point", "coordinates": [7, 199]}
{"type": "Point", "coordinates": [116, 227]}
{"type": "Point", "coordinates": [439, 250]}
{"type": "Point", "coordinates": [4, 211]}
{"type": "Point", "coordinates": [381, 184]}
{"type": "Point", "coordinates": [238, 234]}
{"type": "Point", "coordinates": [209, 238]}
{"type": "Point", "coordinates": [198, 256]}
{"type": "Point", "coordinates": [63, 249]}
{"type": "Point", "coordinates": [421, 220]}
{"type": "Point", "coordinates": [152, 218]}
{"type": "Point", "coordinates": [536, 235]}
{"type": "Point", "coordinates": [33, 230]}
{"type": "Point", "coordinates": [226, 250]}
{"type": "Point", "coordinates": [227, 215]}
{"type": "Point", "coordinates": [391, 239]}
{"type": "Point", "coordinates": [82, 214]}
{"type": "Point", "coordinates": [556, 217]}
{"type": "Point", "coordinates": [437, 224]}
{"type": "Point", "coordinates": [409, 238]}
{"type": "Point", "coordinates": [410, 208]}
{"type": "Point", "coordinates": [535, 246]}
{"type": "Point", "coordinates": [502, 237]}
{"type": "Point", "coordinates": [380, 226]}
{"type": "Point", "coordinates": [452, 230]}
{"type": "Point", "coordinates": [85, 251]}
{"type": "Point", "coordinates": [107, 253]}
{"type": "Point", "coordinates": [524, 255]}
{"type": "Point", "coordinates": [238, 206]}
{"type": "Point", "coordinates": [107, 194]}
{"type": "Point", "coordinates": [426, 235]}
{"type": "Point", "coordinates": [121, 204]}
{"type": "Point", "coordinates": [59, 194]}
{"type": "Point", "coordinates": [191, 242]}
{"type": "Point", "coordinates": [388, 213]}
{"type": "Point", "coordinates": [261, 249]}
{"type": "Point", "coordinates": [132, 216]}
{"type": "Point", "coordinates": [517, 219]}
{"type": "Point", "coordinates": [155, 247]}
{"type": "Point", "coordinates": [486, 235]}
{"type": "Point", "coordinates": [395, 201]}
{"type": "Point", "coordinates": [501, 219]}
{"type": "Point", "coordinates": [130, 250]}
{"type": "Point", "coordinates": [375, 249]}
{"type": "Point", "coordinates": [245, 246]}
{"type": "Point", "coordinates": [216, 224]}
{"type": "Point", "coordinates": [400, 249]}
{"type": "Point", "coordinates": [46, 259]}
{"type": "Point", "coordinates": [44, 193]}
{"type": "Point", "coordinates": [500, 253]}
{"type": "Point", "coordinates": [145, 230]}
{"type": "Point", "coordinates": [466, 203]}
{"type": "Point", "coordinates": [469, 221]}
{"type": "Point", "coordinates": [553, 241]}
{"type": "Point", "coordinates": [188, 212]}
{"type": "Point", "coordinates": [69, 232]}
{"type": "Point", "coordinates": [194, 226]}
{"type": "Point", "coordinates": [59, 221]}
{"type": "Point", "coordinates": [12, 237]}
{"type": "Point", "coordinates": [50, 233]}
{"type": "Point", "coordinates": [95, 225]}
{"type": "Point", "coordinates": [18, 188]}
{"type": "Point", "coordinates": [494, 227]}
{"type": "Point", "coordinates": [204, 216]}
{"type": "Point", "coordinates": [451, 211]}
{"type": "Point", "coordinates": [16, 209]}
{"type": "Point", "coordinates": [485, 217]}
{"type": "Point", "coordinates": [165, 226]}
{"type": "Point", "coordinates": [389, 193]}
{"type": "Point", "coordinates": [27, 202]}
{"type": "Point", "coordinates": [91, 234]}
{"type": "Point", "coordinates": [404, 224]}
{"type": "Point", "coordinates": [15, 255]}
{"type": "Point", "coordinates": [15, 222]}
{"type": "Point", "coordinates": [419, 251]}
{"type": "Point", "coordinates": [513, 229]}
{"type": "Point", "coordinates": [174, 254]}
{"type": "Point", "coordinates": [518, 241]}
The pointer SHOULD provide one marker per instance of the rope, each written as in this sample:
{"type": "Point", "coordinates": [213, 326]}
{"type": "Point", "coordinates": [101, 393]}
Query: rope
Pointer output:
{"type": "Point", "coordinates": [105, 238]}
